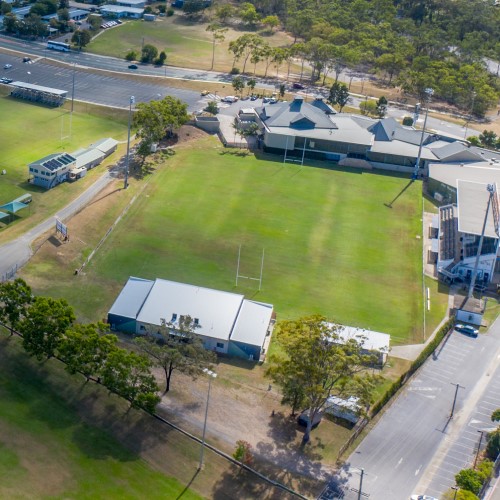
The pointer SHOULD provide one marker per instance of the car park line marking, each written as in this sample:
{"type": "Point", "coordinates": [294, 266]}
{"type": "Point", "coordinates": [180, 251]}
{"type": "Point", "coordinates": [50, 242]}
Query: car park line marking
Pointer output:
{"type": "Point", "coordinates": [418, 470]}
{"type": "Point", "coordinates": [399, 463]}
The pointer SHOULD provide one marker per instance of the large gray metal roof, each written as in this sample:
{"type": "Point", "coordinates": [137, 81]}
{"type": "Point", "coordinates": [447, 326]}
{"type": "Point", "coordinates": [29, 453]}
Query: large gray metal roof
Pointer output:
{"type": "Point", "coordinates": [216, 310]}
{"type": "Point", "coordinates": [450, 173]}
{"type": "Point", "coordinates": [38, 88]}
{"type": "Point", "coordinates": [252, 323]}
{"type": "Point", "coordinates": [131, 298]}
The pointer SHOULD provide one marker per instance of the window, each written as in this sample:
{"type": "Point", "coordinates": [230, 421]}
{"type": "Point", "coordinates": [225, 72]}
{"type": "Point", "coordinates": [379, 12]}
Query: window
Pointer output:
{"type": "Point", "coordinates": [220, 345]}
{"type": "Point", "coordinates": [142, 328]}
{"type": "Point", "coordinates": [174, 318]}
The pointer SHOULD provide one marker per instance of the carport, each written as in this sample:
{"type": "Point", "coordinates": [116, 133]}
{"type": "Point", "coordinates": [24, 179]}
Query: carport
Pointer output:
{"type": "Point", "coordinates": [12, 207]}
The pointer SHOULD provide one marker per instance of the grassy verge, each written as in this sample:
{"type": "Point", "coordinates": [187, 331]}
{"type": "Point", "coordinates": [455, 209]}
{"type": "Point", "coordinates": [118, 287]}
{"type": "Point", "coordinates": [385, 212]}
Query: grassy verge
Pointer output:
{"type": "Point", "coordinates": [46, 450]}
{"type": "Point", "coordinates": [331, 245]}
{"type": "Point", "coordinates": [187, 43]}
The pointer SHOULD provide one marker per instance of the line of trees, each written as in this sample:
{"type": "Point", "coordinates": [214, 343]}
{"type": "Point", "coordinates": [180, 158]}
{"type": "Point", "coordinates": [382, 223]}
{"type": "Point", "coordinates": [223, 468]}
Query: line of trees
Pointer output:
{"type": "Point", "coordinates": [408, 43]}
{"type": "Point", "coordinates": [48, 330]}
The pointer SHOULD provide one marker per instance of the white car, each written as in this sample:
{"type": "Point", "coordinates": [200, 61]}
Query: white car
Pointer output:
{"type": "Point", "coordinates": [7, 66]}
{"type": "Point", "coordinates": [230, 98]}
{"type": "Point", "coordinates": [422, 497]}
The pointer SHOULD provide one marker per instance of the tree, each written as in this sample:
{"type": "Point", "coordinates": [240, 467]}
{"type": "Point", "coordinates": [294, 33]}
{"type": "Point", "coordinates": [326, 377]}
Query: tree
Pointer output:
{"type": "Point", "coordinates": [44, 324]}
{"type": "Point", "coordinates": [192, 7]}
{"type": "Point", "coordinates": [243, 452]}
{"type": "Point", "coordinates": [381, 106]}
{"type": "Point", "coordinates": [459, 495]}
{"type": "Point", "coordinates": [339, 95]}
{"type": "Point", "coordinates": [218, 36]}
{"type": "Point", "coordinates": [15, 298]}
{"type": "Point", "coordinates": [149, 53]}
{"type": "Point", "coordinates": [238, 84]}
{"type": "Point", "coordinates": [224, 12]}
{"type": "Point", "coordinates": [5, 8]}
{"type": "Point", "coordinates": [251, 83]}
{"type": "Point", "coordinates": [292, 390]}
{"type": "Point", "coordinates": [368, 108]}
{"type": "Point", "coordinates": [128, 375]}
{"type": "Point", "coordinates": [131, 55]}
{"type": "Point", "coordinates": [271, 22]}
{"type": "Point", "coordinates": [244, 46]}
{"type": "Point", "coordinates": [488, 138]}
{"type": "Point", "coordinates": [408, 121]}
{"type": "Point", "coordinates": [470, 480]}
{"type": "Point", "coordinates": [282, 90]}
{"type": "Point", "coordinates": [495, 416]}
{"type": "Point", "coordinates": [312, 354]}
{"type": "Point", "coordinates": [160, 61]}
{"type": "Point", "coordinates": [94, 21]}
{"type": "Point", "coordinates": [212, 108]}
{"type": "Point", "coordinates": [85, 349]}
{"type": "Point", "coordinates": [156, 119]}
{"type": "Point", "coordinates": [248, 14]}
{"type": "Point", "coordinates": [279, 55]}
{"type": "Point", "coordinates": [176, 347]}
{"type": "Point", "coordinates": [81, 38]}
{"type": "Point", "coordinates": [493, 446]}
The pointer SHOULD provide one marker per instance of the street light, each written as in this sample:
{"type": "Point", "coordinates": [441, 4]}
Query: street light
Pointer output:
{"type": "Point", "coordinates": [428, 93]}
{"type": "Point", "coordinates": [474, 94]}
{"type": "Point", "coordinates": [456, 488]}
{"type": "Point", "coordinates": [132, 101]}
{"type": "Point", "coordinates": [211, 375]}
{"type": "Point", "coordinates": [28, 73]}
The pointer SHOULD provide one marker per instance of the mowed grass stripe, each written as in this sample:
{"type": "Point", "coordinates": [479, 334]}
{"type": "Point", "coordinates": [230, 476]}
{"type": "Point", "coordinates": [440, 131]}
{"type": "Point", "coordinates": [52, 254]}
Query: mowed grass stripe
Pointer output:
{"type": "Point", "coordinates": [331, 245]}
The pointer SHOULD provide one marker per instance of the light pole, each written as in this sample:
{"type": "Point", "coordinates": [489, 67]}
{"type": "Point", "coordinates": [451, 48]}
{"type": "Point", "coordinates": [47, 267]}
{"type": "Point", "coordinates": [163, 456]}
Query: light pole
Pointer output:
{"type": "Point", "coordinates": [29, 77]}
{"type": "Point", "coordinates": [474, 94]}
{"type": "Point", "coordinates": [211, 375]}
{"type": "Point", "coordinates": [132, 101]}
{"type": "Point", "coordinates": [458, 386]}
{"type": "Point", "coordinates": [428, 93]}
{"type": "Point", "coordinates": [478, 448]}
{"type": "Point", "coordinates": [456, 488]}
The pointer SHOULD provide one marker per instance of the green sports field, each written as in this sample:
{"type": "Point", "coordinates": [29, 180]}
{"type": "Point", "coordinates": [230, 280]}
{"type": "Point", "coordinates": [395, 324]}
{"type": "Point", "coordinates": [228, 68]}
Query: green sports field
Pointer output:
{"type": "Point", "coordinates": [29, 132]}
{"type": "Point", "coordinates": [331, 244]}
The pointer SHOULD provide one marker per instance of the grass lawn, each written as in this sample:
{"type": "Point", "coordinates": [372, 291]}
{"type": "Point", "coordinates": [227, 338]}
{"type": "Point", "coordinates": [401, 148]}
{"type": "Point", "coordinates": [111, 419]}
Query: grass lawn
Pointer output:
{"type": "Point", "coordinates": [187, 43]}
{"type": "Point", "coordinates": [331, 245]}
{"type": "Point", "coordinates": [47, 451]}
{"type": "Point", "coordinates": [29, 132]}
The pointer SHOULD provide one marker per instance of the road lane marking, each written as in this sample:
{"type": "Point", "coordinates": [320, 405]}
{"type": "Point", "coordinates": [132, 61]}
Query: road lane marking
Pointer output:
{"type": "Point", "coordinates": [399, 463]}
{"type": "Point", "coordinates": [418, 470]}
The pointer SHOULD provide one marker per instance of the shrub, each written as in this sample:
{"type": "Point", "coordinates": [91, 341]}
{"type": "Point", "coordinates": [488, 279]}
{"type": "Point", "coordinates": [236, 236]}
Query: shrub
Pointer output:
{"type": "Point", "coordinates": [470, 480]}
{"type": "Point", "coordinates": [493, 446]}
{"type": "Point", "coordinates": [235, 71]}
{"type": "Point", "coordinates": [243, 452]}
{"type": "Point", "coordinates": [485, 469]}
{"type": "Point", "coordinates": [170, 12]}
{"type": "Point", "coordinates": [408, 121]}
{"type": "Point", "coordinates": [131, 56]}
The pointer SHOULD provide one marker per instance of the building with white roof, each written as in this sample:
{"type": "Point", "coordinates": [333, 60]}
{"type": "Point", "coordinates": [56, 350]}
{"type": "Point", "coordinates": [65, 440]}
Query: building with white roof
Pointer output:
{"type": "Point", "coordinates": [117, 11]}
{"type": "Point", "coordinates": [226, 322]}
{"type": "Point", "coordinates": [370, 341]}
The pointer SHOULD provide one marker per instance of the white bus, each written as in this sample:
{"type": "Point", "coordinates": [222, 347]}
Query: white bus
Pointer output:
{"type": "Point", "coordinates": [58, 46]}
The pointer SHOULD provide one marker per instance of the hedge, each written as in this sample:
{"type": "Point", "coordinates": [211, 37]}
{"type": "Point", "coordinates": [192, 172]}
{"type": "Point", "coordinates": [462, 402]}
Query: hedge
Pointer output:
{"type": "Point", "coordinates": [429, 349]}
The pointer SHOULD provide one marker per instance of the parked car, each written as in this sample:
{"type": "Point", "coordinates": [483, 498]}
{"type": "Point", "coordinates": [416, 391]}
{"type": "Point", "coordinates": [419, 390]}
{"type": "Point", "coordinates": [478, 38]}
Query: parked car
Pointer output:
{"type": "Point", "coordinates": [230, 99]}
{"type": "Point", "coordinates": [422, 497]}
{"type": "Point", "coordinates": [132, 66]}
{"type": "Point", "coordinates": [467, 329]}
{"type": "Point", "coordinates": [298, 86]}
{"type": "Point", "coordinates": [7, 66]}
{"type": "Point", "coordinates": [26, 59]}
{"type": "Point", "coordinates": [266, 100]}
{"type": "Point", "coordinates": [304, 419]}
{"type": "Point", "coordinates": [253, 97]}
{"type": "Point", "coordinates": [6, 80]}
{"type": "Point", "coordinates": [205, 92]}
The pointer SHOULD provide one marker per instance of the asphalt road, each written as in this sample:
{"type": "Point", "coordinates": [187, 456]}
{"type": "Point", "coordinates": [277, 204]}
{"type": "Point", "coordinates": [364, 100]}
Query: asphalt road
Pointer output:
{"type": "Point", "coordinates": [91, 87]}
{"type": "Point", "coordinates": [415, 448]}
